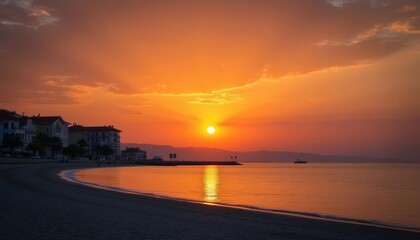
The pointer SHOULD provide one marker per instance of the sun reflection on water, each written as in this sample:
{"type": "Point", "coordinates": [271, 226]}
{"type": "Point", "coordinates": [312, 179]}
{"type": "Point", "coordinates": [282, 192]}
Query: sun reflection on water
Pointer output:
{"type": "Point", "coordinates": [211, 183]}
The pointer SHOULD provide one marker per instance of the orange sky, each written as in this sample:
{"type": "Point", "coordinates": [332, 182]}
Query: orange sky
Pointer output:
{"type": "Point", "coordinates": [332, 77]}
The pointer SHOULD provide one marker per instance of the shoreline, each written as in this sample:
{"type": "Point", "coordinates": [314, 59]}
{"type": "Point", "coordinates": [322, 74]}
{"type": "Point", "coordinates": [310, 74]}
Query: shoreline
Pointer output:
{"type": "Point", "coordinates": [34, 196]}
{"type": "Point", "coordinates": [69, 175]}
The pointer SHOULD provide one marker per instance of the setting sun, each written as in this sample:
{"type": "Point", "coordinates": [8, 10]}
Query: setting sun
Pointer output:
{"type": "Point", "coordinates": [211, 130]}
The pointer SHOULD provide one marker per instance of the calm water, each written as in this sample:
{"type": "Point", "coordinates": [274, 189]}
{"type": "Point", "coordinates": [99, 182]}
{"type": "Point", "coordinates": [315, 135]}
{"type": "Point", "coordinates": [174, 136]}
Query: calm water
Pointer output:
{"type": "Point", "coordinates": [386, 193]}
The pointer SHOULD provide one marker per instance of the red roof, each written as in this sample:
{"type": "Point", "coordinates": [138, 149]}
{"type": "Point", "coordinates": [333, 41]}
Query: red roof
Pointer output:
{"type": "Point", "coordinates": [80, 128]}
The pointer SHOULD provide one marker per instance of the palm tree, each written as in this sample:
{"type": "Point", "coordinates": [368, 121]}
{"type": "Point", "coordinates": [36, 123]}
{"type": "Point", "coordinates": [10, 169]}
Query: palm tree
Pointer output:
{"type": "Point", "coordinates": [12, 141]}
{"type": "Point", "coordinates": [106, 150]}
{"type": "Point", "coordinates": [55, 144]}
{"type": "Point", "coordinates": [44, 141]}
{"type": "Point", "coordinates": [97, 150]}
{"type": "Point", "coordinates": [82, 144]}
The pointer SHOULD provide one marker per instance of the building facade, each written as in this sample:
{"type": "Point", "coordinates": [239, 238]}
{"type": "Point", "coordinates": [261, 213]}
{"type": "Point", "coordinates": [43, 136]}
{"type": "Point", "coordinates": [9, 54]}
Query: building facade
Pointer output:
{"type": "Point", "coordinates": [53, 126]}
{"type": "Point", "coordinates": [26, 128]}
{"type": "Point", "coordinates": [12, 123]}
{"type": "Point", "coordinates": [96, 136]}
{"type": "Point", "coordinates": [133, 154]}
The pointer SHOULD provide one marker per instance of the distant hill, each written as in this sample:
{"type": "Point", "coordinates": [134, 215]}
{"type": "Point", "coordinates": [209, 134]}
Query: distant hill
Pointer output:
{"type": "Point", "coordinates": [214, 154]}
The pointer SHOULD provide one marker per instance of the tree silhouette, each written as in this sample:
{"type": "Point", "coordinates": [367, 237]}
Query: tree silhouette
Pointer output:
{"type": "Point", "coordinates": [34, 147]}
{"type": "Point", "coordinates": [82, 145]}
{"type": "Point", "coordinates": [55, 144]}
{"type": "Point", "coordinates": [106, 150]}
{"type": "Point", "coordinates": [12, 141]}
{"type": "Point", "coordinates": [97, 149]}
{"type": "Point", "coordinates": [44, 142]}
{"type": "Point", "coordinates": [72, 151]}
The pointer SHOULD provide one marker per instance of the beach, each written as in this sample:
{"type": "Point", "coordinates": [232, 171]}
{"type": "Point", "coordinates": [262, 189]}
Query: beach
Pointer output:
{"type": "Point", "coordinates": [36, 203]}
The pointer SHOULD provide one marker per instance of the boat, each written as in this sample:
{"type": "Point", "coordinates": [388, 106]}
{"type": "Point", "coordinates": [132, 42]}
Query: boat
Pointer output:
{"type": "Point", "coordinates": [300, 161]}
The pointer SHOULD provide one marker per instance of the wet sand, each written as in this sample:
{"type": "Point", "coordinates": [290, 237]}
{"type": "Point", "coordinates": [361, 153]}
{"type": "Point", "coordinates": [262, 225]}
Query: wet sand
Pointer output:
{"type": "Point", "coordinates": [37, 204]}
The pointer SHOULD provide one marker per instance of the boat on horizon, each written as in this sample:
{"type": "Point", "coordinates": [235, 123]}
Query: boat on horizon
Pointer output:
{"type": "Point", "coordinates": [300, 161]}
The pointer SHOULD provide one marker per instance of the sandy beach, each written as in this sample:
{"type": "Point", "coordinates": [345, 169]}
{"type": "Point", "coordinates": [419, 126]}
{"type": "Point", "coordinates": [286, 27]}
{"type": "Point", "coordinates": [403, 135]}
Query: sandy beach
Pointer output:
{"type": "Point", "coordinates": [36, 203]}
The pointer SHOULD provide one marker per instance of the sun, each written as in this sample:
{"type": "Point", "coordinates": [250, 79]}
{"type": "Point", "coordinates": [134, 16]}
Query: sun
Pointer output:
{"type": "Point", "coordinates": [211, 130]}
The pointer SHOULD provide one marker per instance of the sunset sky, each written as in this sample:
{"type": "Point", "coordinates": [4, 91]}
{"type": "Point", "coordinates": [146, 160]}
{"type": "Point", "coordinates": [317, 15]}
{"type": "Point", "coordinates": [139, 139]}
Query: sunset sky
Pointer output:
{"type": "Point", "coordinates": [327, 76]}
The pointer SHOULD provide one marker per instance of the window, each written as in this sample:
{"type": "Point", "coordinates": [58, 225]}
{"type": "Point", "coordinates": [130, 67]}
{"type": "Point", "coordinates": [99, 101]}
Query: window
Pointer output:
{"type": "Point", "coordinates": [58, 129]}
{"type": "Point", "coordinates": [6, 125]}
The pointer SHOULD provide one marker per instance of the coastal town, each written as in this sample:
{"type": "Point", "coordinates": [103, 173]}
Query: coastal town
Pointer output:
{"type": "Point", "coordinates": [52, 137]}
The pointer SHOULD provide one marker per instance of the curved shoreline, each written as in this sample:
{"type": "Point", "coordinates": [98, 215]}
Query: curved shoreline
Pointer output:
{"type": "Point", "coordinates": [37, 204]}
{"type": "Point", "coordinates": [69, 175]}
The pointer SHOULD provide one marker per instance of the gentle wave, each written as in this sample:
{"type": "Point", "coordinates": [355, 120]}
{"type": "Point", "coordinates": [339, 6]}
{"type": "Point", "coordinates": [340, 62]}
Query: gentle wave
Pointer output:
{"type": "Point", "coordinates": [69, 175]}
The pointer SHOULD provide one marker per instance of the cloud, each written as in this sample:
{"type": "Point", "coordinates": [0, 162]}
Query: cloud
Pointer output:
{"type": "Point", "coordinates": [10, 23]}
{"type": "Point", "coordinates": [57, 89]}
{"type": "Point", "coordinates": [355, 40]}
{"type": "Point", "coordinates": [408, 8]}
{"type": "Point", "coordinates": [50, 94]}
{"type": "Point", "coordinates": [343, 3]}
{"type": "Point", "coordinates": [207, 57]}
{"type": "Point", "coordinates": [339, 3]}
{"type": "Point", "coordinates": [25, 13]}
{"type": "Point", "coordinates": [396, 31]}
{"type": "Point", "coordinates": [217, 98]}
{"type": "Point", "coordinates": [406, 26]}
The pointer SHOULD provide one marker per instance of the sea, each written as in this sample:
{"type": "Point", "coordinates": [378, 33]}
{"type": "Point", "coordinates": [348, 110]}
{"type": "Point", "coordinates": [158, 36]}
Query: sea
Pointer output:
{"type": "Point", "coordinates": [383, 194]}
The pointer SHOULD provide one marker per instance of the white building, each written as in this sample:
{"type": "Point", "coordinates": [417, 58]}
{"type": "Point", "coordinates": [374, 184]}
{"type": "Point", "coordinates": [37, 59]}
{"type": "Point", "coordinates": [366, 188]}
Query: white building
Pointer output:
{"type": "Point", "coordinates": [12, 123]}
{"type": "Point", "coordinates": [133, 154]}
{"type": "Point", "coordinates": [94, 136]}
{"type": "Point", "coordinates": [53, 126]}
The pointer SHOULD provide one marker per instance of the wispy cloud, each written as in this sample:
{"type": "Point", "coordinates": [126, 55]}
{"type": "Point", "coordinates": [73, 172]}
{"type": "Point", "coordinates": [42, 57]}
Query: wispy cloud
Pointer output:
{"type": "Point", "coordinates": [320, 71]}
{"type": "Point", "coordinates": [397, 30]}
{"type": "Point", "coordinates": [25, 13]}
{"type": "Point", "coordinates": [407, 8]}
{"type": "Point", "coordinates": [11, 23]}
{"type": "Point", "coordinates": [342, 3]}
{"type": "Point", "coordinates": [218, 96]}
{"type": "Point", "coordinates": [353, 41]}
{"type": "Point", "coordinates": [55, 80]}
{"type": "Point", "coordinates": [339, 3]}
{"type": "Point", "coordinates": [213, 97]}
{"type": "Point", "coordinates": [407, 26]}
